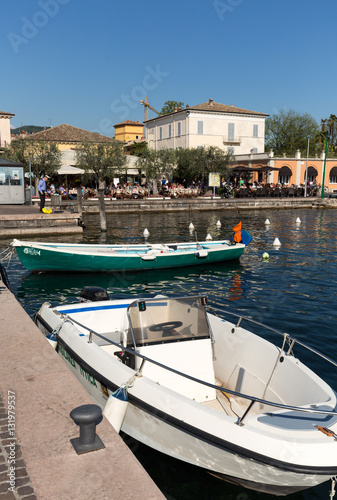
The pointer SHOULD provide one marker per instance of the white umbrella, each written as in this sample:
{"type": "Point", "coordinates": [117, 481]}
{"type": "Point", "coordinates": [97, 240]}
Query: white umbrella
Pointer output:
{"type": "Point", "coordinates": [70, 170]}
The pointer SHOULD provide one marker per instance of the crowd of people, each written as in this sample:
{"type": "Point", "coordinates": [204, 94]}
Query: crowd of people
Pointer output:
{"type": "Point", "coordinates": [244, 189]}
{"type": "Point", "coordinates": [133, 190]}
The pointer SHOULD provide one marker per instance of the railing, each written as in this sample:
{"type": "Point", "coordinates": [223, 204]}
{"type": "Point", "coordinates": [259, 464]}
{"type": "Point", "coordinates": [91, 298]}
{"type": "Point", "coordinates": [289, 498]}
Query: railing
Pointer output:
{"type": "Point", "coordinates": [291, 341]}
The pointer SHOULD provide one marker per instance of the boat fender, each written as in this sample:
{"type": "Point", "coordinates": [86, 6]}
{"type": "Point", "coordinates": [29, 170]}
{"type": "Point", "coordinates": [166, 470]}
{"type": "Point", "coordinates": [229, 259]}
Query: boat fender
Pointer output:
{"type": "Point", "coordinates": [148, 256]}
{"type": "Point", "coordinates": [201, 254]}
{"type": "Point", "coordinates": [115, 408]}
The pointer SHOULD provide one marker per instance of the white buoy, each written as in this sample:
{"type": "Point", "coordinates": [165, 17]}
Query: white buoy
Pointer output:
{"type": "Point", "coordinates": [298, 220]}
{"type": "Point", "coordinates": [218, 224]}
{"type": "Point", "coordinates": [267, 222]}
{"type": "Point", "coordinates": [146, 233]}
{"type": "Point", "coordinates": [115, 408]}
{"type": "Point", "coordinates": [208, 237]}
{"type": "Point", "coordinates": [191, 226]}
{"type": "Point", "coordinates": [265, 256]}
{"type": "Point", "coordinates": [276, 242]}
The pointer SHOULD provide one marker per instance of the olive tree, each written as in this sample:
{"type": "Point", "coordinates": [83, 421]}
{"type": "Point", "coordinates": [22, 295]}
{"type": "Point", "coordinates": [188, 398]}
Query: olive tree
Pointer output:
{"type": "Point", "coordinates": [156, 165]}
{"type": "Point", "coordinates": [104, 160]}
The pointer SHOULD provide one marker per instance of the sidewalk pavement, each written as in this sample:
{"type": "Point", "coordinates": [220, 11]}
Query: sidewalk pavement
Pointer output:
{"type": "Point", "coordinates": [39, 392]}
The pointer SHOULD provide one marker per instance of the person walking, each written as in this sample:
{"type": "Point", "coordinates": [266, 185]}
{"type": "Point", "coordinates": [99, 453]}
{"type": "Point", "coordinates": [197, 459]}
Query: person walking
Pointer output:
{"type": "Point", "coordinates": [42, 188]}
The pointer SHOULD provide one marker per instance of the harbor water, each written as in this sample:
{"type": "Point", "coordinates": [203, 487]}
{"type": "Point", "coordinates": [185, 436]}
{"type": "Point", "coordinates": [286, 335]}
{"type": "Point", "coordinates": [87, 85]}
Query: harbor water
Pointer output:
{"type": "Point", "coordinates": [293, 291]}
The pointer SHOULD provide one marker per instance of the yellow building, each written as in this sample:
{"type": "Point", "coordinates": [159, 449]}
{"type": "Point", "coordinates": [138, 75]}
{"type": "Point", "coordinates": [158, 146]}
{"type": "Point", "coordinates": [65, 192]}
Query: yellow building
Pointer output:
{"type": "Point", "coordinates": [129, 131]}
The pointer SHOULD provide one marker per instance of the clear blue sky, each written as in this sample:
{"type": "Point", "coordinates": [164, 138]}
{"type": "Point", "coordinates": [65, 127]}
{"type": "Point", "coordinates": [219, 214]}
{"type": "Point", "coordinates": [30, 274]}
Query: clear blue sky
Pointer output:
{"type": "Point", "coordinates": [88, 64]}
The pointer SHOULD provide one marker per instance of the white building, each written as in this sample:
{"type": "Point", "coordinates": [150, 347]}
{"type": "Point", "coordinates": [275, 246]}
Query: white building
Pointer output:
{"type": "Point", "coordinates": [5, 129]}
{"type": "Point", "coordinates": [208, 124]}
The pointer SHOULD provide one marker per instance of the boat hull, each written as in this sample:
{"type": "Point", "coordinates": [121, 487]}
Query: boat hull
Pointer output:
{"type": "Point", "coordinates": [158, 429]}
{"type": "Point", "coordinates": [272, 451]}
{"type": "Point", "coordinates": [43, 259]}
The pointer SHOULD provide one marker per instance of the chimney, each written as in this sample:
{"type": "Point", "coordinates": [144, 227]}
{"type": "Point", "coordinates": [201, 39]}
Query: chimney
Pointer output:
{"type": "Point", "coordinates": [210, 102]}
{"type": "Point", "coordinates": [175, 109]}
{"type": "Point", "coordinates": [187, 105]}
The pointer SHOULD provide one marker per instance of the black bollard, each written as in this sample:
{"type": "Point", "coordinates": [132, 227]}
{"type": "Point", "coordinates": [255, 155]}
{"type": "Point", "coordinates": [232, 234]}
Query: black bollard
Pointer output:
{"type": "Point", "coordinates": [86, 416]}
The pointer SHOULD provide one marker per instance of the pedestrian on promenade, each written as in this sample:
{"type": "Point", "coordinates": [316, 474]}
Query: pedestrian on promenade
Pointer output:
{"type": "Point", "coordinates": [42, 188]}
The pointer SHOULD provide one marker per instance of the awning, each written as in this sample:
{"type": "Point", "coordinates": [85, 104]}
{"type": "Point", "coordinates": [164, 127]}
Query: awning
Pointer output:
{"type": "Point", "coordinates": [312, 171]}
{"type": "Point", "coordinates": [69, 170]}
{"type": "Point", "coordinates": [285, 171]}
{"type": "Point", "coordinates": [243, 169]}
{"type": "Point", "coordinates": [333, 171]}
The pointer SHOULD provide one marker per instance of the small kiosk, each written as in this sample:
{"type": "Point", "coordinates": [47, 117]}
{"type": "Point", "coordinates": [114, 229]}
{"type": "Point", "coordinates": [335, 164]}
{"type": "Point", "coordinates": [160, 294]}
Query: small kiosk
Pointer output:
{"type": "Point", "coordinates": [12, 186]}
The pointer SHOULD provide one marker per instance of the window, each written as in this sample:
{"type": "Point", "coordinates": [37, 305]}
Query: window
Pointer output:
{"type": "Point", "coordinates": [160, 132]}
{"type": "Point", "coordinates": [231, 131]}
{"type": "Point", "coordinates": [200, 127]}
{"type": "Point", "coordinates": [179, 128]}
{"type": "Point", "coordinates": [170, 131]}
{"type": "Point", "coordinates": [254, 150]}
{"type": "Point", "coordinates": [284, 179]}
{"type": "Point", "coordinates": [255, 131]}
{"type": "Point", "coordinates": [137, 136]}
{"type": "Point", "coordinates": [333, 175]}
{"type": "Point", "coordinates": [230, 150]}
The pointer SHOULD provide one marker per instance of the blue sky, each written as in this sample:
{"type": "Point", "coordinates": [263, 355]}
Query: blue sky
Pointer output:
{"type": "Point", "coordinates": [88, 64]}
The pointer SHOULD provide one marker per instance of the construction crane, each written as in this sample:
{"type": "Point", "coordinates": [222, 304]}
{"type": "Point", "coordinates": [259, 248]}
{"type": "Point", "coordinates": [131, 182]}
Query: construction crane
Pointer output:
{"type": "Point", "coordinates": [147, 105]}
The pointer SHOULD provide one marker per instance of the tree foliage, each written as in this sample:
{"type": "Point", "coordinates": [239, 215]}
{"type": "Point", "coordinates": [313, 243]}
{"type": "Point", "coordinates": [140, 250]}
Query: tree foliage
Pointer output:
{"type": "Point", "coordinates": [288, 131]}
{"type": "Point", "coordinates": [170, 106]}
{"type": "Point", "coordinates": [196, 163]}
{"type": "Point", "coordinates": [44, 157]}
{"type": "Point", "coordinates": [329, 129]}
{"type": "Point", "coordinates": [138, 148]}
{"type": "Point", "coordinates": [157, 164]}
{"type": "Point", "coordinates": [104, 160]}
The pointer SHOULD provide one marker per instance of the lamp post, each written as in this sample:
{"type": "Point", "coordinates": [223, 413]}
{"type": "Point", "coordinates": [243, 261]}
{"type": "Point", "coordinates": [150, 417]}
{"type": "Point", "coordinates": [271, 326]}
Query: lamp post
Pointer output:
{"type": "Point", "coordinates": [326, 154]}
{"type": "Point", "coordinates": [30, 173]}
{"type": "Point", "coordinates": [306, 171]}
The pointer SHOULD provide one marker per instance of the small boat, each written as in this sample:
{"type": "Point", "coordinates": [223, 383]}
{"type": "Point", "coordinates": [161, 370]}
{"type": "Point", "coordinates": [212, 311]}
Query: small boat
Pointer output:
{"type": "Point", "coordinates": [200, 387]}
{"type": "Point", "coordinates": [38, 256]}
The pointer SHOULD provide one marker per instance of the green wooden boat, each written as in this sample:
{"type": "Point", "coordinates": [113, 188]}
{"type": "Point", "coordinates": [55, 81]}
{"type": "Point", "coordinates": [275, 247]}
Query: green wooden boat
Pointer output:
{"type": "Point", "coordinates": [38, 256]}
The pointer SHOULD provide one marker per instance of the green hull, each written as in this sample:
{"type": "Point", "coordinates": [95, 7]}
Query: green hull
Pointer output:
{"type": "Point", "coordinates": [48, 260]}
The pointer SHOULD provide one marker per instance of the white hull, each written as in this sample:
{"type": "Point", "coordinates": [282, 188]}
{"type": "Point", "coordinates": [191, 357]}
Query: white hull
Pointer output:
{"type": "Point", "coordinates": [259, 455]}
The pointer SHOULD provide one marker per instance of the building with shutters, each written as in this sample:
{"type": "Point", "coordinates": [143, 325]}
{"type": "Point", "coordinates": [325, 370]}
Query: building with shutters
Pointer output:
{"type": "Point", "coordinates": [232, 129]}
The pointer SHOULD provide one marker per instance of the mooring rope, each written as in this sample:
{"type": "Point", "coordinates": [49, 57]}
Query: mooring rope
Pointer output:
{"type": "Point", "coordinates": [333, 490]}
{"type": "Point", "coordinates": [6, 255]}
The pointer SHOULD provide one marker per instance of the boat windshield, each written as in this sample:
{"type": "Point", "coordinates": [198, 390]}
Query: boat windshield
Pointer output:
{"type": "Point", "coordinates": [162, 320]}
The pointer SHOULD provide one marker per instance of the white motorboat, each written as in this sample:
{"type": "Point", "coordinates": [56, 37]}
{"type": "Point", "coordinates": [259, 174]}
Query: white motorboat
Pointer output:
{"type": "Point", "coordinates": [203, 389]}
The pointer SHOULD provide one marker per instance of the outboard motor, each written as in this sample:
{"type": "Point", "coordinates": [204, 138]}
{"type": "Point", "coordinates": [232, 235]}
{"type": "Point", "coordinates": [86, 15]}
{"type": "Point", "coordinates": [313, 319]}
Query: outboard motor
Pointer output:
{"type": "Point", "coordinates": [93, 294]}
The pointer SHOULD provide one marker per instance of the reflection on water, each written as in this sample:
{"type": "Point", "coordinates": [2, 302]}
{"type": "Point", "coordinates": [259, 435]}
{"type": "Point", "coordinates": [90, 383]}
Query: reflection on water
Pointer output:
{"type": "Point", "coordinates": [294, 291]}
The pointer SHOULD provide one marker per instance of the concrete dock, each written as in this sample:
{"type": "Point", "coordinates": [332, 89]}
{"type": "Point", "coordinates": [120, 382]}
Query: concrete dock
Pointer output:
{"type": "Point", "coordinates": [37, 394]}
{"type": "Point", "coordinates": [22, 220]}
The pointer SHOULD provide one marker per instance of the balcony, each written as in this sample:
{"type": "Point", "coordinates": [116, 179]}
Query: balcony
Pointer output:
{"type": "Point", "coordinates": [231, 141]}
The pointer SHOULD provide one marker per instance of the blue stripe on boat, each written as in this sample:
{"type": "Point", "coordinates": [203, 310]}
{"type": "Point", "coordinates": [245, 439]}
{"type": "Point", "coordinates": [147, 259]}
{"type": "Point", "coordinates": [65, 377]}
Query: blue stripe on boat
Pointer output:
{"type": "Point", "coordinates": [100, 308]}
